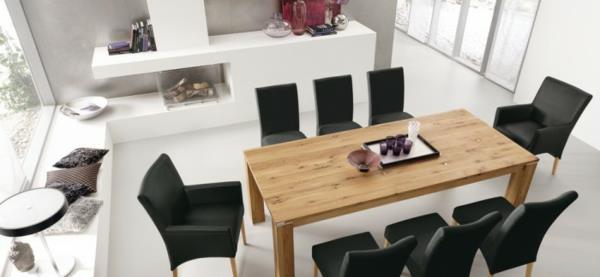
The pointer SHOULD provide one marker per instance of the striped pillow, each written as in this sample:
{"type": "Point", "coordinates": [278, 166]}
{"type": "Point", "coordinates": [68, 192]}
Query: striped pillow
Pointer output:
{"type": "Point", "coordinates": [85, 175]}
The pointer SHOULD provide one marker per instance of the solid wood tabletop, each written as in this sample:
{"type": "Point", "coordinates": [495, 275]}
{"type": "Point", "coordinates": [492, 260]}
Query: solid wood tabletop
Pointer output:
{"type": "Point", "coordinates": [310, 180]}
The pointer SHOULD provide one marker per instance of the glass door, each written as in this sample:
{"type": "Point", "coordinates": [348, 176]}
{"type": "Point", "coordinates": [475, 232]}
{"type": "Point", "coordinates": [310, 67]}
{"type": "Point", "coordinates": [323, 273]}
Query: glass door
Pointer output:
{"type": "Point", "coordinates": [475, 37]}
{"type": "Point", "coordinates": [488, 36]}
{"type": "Point", "coordinates": [419, 25]}
{"type": "Point", "coordinates": [515, 23]}
{"type": "Point", "coordinates": [446, 15]}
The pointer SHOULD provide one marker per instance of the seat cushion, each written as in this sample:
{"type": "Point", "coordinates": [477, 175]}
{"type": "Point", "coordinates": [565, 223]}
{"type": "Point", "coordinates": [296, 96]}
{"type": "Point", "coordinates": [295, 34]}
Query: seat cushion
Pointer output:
{"type": "Point", "coordinates": [329, 256]}
{"type": "Point", "coordinates": [389, 117]}
{"type": "Point", "coordinates": [472, 212]}
{"type": "Point", "coordinates": [520, 132]}
{"type": "Point", "coordinates": [423, 228]}
{"type": "Point", "coordinates": [338, 127]}
{"type": "Point", "coordinates": [216, 215]}
{"type": "Point", "coordinates": [282, 137]}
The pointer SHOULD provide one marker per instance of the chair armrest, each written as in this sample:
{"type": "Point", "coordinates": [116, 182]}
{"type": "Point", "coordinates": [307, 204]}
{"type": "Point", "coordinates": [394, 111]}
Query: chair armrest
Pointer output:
{"type": "Point", "coordinates": [513, 113]}
{"type": "Point", "coordinates": [551, 139]}
{"type": "Point", "coordinates": [200, 241]}
{"type": "Point", "coordinates": [226, 192]}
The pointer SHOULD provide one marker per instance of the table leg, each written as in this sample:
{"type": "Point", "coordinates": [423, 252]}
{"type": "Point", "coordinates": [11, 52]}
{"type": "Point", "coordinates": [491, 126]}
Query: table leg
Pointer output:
{"type": "Point", "coordinates": [283, 247]}
{"type": "Point", "coordinates": [519, 183]}
{"type": "Point", "coordinates": [256, 201]}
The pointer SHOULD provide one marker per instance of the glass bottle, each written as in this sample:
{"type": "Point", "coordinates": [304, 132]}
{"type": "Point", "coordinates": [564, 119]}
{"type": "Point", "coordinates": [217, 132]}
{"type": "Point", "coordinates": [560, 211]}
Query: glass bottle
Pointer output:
{"type": "Point", "coordinates": [328, 12]}
{"type": "Point", "coordinates": [299, 17]}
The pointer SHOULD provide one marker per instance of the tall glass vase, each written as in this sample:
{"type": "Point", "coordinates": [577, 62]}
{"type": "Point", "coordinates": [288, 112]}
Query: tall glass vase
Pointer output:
{"type": "Point", "coordinates": [299, 17]}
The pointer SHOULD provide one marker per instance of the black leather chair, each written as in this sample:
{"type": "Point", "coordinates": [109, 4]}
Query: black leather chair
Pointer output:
{"type": "Point", "coordinates": [545, 125]}
{"type": "Point", "coordinates": [196, 221]}
{"type": "Point", "coordinates": [335, 105]}
{"type": "Point", "coordinates": [516, 240]}
{"type": "Point", "coordinates": [278, 113]}
{"type": "Point", "coordinates": [359, 256]}
{"type": "Point", "coordinates": [386, 92]}
{"type": "Point", "coordinates": [442, 250]}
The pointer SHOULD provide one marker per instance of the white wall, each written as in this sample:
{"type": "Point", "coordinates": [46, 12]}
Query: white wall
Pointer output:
{"type": "Point", "coordinates": [565, 44]}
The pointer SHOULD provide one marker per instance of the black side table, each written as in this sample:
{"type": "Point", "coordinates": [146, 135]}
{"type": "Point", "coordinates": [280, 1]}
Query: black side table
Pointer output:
{"type": "Point", "coordinates": [31, 212]}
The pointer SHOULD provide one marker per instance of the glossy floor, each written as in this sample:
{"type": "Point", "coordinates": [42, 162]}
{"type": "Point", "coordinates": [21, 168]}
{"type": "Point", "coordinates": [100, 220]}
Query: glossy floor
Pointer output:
{"type": "Point", "coordinates": [434, 84]}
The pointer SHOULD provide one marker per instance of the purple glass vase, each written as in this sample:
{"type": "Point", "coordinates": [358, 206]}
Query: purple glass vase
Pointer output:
{"type": "Point", "coordinates": [299, 17]}
{"type": "Point", "coordinates": [390, 141]}
{"type": "Point", "coordinates": [397, 150]}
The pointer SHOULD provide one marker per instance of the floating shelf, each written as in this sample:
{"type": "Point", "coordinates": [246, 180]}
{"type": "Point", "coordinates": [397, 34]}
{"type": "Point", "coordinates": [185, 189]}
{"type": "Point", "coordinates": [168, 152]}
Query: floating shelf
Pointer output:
{"type": "Point", "coordinates": [222, 49]}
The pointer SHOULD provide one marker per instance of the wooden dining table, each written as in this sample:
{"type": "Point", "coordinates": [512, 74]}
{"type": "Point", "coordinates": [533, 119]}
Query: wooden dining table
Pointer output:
{"type": "Point", "coordinates": [310, 180]}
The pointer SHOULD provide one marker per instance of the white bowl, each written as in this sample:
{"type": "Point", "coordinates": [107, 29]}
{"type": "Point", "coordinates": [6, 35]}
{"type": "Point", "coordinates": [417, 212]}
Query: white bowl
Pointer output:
{"type": "Point", "coordinates": [85, 107]}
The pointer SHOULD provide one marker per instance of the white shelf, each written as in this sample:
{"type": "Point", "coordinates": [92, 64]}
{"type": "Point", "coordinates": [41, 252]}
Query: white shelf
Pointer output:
{"type": "Point", "coordinates": [221, 50]}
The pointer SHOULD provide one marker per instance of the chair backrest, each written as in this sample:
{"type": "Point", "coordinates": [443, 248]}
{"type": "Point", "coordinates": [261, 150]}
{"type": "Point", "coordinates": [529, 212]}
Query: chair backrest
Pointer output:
{"type": "Point", "coordinates": [558, 103]}
{"type": "Point", "coordinates": [386, 262]}
{"type": "Point", "coordinates": [386, 91]}
{"type": "Point", "coordinates": [452, 249]}
{"type": "Point", "coordinates": [334, 99]}
{"type": "Point", "coordinates": [519, 238]}
{"type": "Point", "coordinates": [162, 193]}
{"type": "Point", "coordinates": [278, 109]}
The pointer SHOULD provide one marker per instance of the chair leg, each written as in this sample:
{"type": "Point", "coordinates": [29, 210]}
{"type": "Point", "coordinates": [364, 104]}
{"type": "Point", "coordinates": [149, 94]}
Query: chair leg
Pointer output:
{"type": "Point", "coordinates": [555, 166]}
{"type": "Point", "coordinates": [386, 243]}
{"type": "Point", "coordinates": [529, 270]}
{"type": "Point", "coordinates": [175, 272]}
{"type": "Point", "coordinates": [233, 267]}
{"type": "Point", "coordinates": [315, 270]}
{"type": "Point", "coordinates": [244, 233]}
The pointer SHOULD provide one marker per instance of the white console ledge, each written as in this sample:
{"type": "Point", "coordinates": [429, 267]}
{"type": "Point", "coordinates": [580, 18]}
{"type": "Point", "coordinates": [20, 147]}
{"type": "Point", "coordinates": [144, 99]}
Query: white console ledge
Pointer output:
{"type": "Point", "coordinates": [221, 49]}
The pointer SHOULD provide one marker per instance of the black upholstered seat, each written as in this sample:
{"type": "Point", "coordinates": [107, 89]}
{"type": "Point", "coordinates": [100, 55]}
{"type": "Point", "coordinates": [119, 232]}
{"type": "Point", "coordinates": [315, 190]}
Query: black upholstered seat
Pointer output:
{"type": "Point", "coordinates": [359, 255]}
{"type": "Point", "coordinates": [544, 126]}
{"type": "Point", "coordinates": [386, 92]}
{"type": "Point", "coordinates": [442, 250]}
{"type": "Point", "coordinates": [335, 105]}
{"type": "Point", "coordinates": [197, 221]}
{"type": "Point", "coordinates": [279, 114]}
{"type": "Point", "coordinates": [515, 241]}
{"type": "Point", "coordinates": [389, 117]}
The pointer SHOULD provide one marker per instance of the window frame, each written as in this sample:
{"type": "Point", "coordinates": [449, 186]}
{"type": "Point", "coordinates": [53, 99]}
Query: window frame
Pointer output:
{"type": "Point", "coordinates": [491, 40]}
{"type": "Point", "coordinates": [47, 103]}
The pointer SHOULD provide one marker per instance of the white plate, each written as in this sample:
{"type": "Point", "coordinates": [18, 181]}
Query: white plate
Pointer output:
{"type": "Point", "coordinates": [85, 107]}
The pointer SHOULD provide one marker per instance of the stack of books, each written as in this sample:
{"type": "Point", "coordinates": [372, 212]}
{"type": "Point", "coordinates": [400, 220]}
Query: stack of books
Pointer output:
{"type": "Point", "coordinates": [141, 39]}
{"type": "Point", "coordinates": [321, 30]}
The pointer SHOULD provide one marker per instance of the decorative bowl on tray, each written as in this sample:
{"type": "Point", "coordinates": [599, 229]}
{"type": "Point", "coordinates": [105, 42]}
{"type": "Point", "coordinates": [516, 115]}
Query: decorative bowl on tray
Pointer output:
{"type": "Point", "coordinates": [363, 160]}
{"type": "Point", "coordinates": [85, 107]}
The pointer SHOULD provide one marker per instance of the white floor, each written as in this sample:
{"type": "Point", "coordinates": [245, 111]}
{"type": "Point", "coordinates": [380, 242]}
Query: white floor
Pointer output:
{"type": "Point", "coordinates": [434, 84]}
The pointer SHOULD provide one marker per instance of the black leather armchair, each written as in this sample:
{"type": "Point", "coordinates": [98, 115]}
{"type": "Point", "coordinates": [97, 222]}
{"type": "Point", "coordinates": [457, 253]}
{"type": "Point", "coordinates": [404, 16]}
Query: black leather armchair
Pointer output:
{"type": "Point", "coordinates": [544, 126]}
{"type": "Point", "coordinates": [442, 250]}
{"type": "Point", "coordinates": [197, 221]}
{"type": "Point", "coordinates": [359, 255]}
{"type": "Point", "coordinates": [515, 241]}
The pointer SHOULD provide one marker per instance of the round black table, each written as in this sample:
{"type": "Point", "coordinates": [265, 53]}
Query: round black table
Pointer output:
{"type": "Point", "coordinates": [31, 212]}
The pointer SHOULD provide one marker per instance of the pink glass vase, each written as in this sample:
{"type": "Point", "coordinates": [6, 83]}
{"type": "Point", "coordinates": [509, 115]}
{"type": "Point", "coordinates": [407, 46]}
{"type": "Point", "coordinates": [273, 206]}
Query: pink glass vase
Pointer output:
{"type": "Point", "coordinates": [299, 17]}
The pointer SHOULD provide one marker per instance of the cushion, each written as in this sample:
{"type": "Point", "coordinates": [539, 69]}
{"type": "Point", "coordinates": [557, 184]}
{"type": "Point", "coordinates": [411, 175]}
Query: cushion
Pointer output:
{"type": "Point", "coordinates": [329, 256]}
{"type": "Point", "coordinates": [81, 157]}
{"type": "Point", "coordinates": [282, 137]}
{"type": "Point", "coordinates": [338, 127]}
{"type": "Point", "coordinates": [520, 132]}
{"type": "Point", "coordinates": [71, 190]}
{"type": "Point", "coordinates": [389, 117]}
{"type": "Point", "coordinates": [86, 175]}
{"type": "Point", "coordinates": [77, 218]}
